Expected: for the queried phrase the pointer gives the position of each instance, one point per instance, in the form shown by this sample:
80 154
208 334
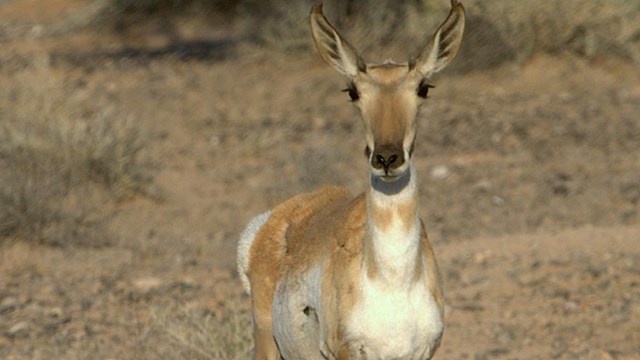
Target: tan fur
320 258
301 231
275 250
369 259
435 278
390 120
407 213
382 217
328 227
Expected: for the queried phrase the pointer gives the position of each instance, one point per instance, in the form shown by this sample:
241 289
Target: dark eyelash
423 88
353 91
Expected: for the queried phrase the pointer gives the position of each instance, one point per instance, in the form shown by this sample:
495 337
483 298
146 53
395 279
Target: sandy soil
530 189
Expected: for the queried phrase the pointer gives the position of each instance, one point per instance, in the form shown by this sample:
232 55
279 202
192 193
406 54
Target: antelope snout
387 158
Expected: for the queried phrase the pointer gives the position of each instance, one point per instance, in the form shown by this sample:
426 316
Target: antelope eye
423 89
353 92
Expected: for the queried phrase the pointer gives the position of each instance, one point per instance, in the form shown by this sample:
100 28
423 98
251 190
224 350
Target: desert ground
131 159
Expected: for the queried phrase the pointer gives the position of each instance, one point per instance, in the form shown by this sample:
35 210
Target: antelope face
388 96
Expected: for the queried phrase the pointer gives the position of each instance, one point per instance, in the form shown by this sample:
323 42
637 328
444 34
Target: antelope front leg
265 346
343 353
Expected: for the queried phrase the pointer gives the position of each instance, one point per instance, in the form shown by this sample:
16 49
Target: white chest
391 324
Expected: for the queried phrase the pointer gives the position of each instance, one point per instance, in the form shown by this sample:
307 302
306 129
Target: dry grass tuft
381 28
497 31
192 334
58 165
500 31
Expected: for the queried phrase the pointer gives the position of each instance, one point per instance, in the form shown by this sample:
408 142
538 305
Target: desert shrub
59 167
46 192
150 7
104 150
30 186
130 11
497 31
194 334
378 28
37 205
519 30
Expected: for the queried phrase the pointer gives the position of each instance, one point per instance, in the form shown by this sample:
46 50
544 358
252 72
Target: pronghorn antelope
333 276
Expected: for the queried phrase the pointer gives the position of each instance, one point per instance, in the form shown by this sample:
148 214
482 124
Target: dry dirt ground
530 189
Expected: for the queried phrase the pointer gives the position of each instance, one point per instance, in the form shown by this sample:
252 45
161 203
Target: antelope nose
387 157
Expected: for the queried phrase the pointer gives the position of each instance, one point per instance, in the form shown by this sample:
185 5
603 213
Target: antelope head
389 96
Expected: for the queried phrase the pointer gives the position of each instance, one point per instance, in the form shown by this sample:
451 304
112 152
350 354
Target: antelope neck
392 251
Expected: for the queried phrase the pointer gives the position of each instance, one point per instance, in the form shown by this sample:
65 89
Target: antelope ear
445 43
335 50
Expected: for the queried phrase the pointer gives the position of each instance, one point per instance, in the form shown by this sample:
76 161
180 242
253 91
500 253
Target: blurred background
137 138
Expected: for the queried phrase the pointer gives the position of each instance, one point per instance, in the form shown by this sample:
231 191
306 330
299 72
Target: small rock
504 337
605 355
214 141
440 172
570 306
8 304
146 285
319 122
55 312
532 279
483 185
18 330
448 310
37 30
481 258
5 342
508 314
